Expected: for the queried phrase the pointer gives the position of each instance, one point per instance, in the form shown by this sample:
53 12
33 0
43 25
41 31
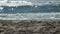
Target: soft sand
29 26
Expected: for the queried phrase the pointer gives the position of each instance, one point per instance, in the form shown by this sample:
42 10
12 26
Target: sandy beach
30 26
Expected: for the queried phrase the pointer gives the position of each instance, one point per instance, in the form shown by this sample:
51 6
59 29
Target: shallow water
30 9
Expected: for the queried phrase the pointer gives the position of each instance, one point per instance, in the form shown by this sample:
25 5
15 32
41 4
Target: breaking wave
24 3
27 12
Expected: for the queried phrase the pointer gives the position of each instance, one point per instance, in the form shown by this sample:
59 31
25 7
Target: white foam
26 16
15 3
1 8
22 3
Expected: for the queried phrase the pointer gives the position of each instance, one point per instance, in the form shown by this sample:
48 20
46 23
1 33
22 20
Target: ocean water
30 9
24 12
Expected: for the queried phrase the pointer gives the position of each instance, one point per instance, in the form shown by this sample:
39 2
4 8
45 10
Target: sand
29 26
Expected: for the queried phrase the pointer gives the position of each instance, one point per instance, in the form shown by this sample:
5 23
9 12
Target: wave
30 9
43 10
29 16
23 3
15 3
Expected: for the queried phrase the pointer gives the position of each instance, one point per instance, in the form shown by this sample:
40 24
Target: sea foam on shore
29 16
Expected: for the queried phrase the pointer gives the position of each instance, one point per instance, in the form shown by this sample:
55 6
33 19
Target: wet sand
29 26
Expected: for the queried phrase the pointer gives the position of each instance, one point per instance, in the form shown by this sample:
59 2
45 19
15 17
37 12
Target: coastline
46 26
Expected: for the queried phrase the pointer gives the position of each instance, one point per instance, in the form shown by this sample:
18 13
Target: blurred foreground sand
29 26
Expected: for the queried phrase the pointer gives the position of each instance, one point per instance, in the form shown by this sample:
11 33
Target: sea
26 12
